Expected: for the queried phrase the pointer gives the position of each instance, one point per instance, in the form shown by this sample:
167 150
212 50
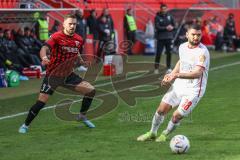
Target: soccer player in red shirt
64 48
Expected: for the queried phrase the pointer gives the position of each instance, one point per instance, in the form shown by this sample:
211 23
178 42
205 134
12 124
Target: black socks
33 112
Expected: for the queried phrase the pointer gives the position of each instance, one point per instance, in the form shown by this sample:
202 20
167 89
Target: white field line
53 106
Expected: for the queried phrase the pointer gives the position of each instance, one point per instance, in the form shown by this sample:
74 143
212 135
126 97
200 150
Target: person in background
230 32
181 35
9 60
216 30
105 13
13 52
92 23
55 27
164 27
130 28
81 28
104 32
41 27
24 43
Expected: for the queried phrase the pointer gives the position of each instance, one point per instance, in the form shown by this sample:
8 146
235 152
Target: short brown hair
66 16
163 5
195 26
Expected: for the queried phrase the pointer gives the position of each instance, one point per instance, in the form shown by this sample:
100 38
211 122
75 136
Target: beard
70 31
194 43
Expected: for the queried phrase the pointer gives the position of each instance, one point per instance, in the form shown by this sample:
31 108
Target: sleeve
36 27
202 60
101 29
234 31
112 23
126 29
173 22
51 42
158 25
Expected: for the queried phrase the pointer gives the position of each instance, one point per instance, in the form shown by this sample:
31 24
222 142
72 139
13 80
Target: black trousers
131 38
160 45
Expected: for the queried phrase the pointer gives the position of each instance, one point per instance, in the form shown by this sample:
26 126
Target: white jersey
189 59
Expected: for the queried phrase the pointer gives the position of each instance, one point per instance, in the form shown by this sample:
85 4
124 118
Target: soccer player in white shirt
188 82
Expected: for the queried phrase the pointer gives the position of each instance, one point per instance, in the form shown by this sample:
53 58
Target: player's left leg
158 119
185 108
169 100
172 124
75 83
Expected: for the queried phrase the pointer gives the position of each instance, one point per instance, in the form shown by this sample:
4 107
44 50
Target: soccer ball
179 144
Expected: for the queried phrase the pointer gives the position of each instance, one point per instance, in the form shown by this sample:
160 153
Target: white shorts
185 102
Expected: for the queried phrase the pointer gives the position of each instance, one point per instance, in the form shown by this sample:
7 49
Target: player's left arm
82 62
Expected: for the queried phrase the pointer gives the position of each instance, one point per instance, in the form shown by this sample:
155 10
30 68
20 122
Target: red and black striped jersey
64 50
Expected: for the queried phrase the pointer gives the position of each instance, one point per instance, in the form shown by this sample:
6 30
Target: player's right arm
43 54
168 78
46 48
176 68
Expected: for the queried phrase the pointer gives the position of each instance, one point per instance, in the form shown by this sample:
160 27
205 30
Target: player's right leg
45 91
33 112
158 119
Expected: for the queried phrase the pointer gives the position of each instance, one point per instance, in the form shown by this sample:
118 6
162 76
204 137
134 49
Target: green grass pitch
213 127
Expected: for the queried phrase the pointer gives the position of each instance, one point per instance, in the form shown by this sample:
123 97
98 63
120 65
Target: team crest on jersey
202 58
77 43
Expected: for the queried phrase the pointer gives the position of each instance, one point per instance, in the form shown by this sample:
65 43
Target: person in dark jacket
230 32
13 52
55 27
8 64
25 43
9 60
164 27
104 31
81 28
92 23
35 44
110 22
